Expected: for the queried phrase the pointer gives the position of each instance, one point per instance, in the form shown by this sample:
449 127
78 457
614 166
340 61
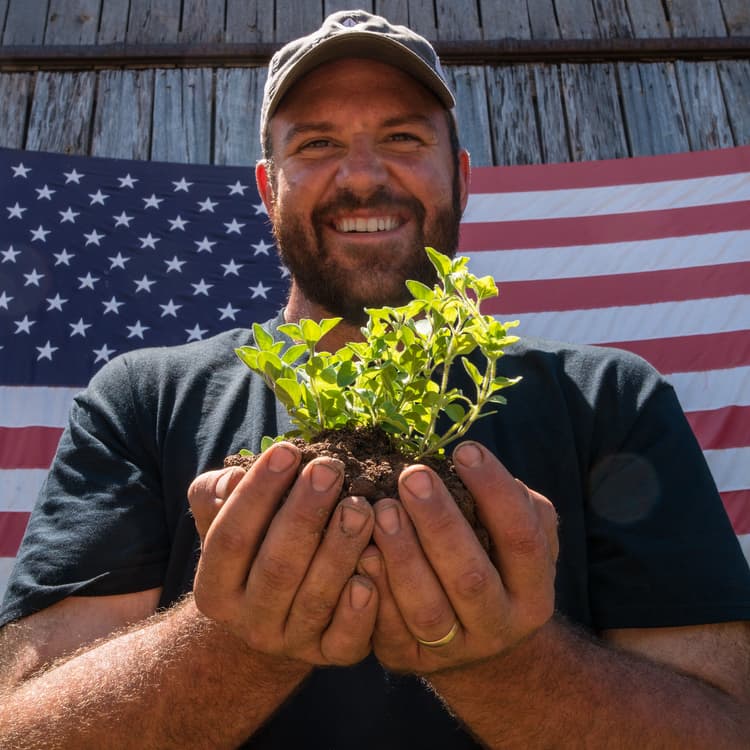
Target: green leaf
455 412
419 290
441 262
472 370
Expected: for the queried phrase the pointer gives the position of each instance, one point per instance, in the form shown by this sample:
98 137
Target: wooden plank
703 103
422 18
551 114
576 19
72 22
122 120
297 18
396 11
508 20
515 133
25 21
542 19
239 92
153 21
182 116
737 17
613 19
653 112
61 112
648 19
457 20
691 18
735 83
249 21
594 117
14 94
3 13
331 6
469 84
202 21
113 22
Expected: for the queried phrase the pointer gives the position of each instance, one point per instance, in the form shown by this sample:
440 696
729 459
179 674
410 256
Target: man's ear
464 176
265 188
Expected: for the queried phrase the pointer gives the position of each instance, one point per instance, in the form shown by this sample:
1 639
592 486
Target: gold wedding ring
444 641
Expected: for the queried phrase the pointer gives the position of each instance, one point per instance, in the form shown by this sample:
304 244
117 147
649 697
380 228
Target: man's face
363 178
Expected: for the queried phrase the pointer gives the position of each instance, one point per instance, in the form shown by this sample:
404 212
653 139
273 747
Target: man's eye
403 137
317 143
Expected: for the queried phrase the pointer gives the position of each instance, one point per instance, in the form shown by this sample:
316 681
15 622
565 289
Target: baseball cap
354 33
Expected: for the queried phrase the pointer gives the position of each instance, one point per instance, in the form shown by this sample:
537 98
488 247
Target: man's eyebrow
415 119
302 128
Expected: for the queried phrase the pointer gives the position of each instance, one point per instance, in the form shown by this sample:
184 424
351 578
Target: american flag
101 256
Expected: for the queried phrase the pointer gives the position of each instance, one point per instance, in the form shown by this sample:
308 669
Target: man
320 623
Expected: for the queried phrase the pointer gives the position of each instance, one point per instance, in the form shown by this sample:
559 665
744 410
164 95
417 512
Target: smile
371 224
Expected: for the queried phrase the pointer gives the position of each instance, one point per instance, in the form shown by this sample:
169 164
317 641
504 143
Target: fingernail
469 455
353 519
323 476
419 483
387 518
360 593
370 565
224 482
281 459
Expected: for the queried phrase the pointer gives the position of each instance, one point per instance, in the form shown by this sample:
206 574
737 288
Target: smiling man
611 612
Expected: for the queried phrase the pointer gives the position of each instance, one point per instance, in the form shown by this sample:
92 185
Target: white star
39 234
170 309
149 241
63 257
238 187
137 330
112 306
45 193
284 271
228 311
175 264
14 212
87 281
19 170
259 290
73 177
234 227
46 351
118 261
231 267
93 237
98 197
177 223
127 181
33 278
79 328
208 205
152 202
123 220
69 215
144 284
56 302
104 353
201 288
262 248
9 254
4 299
260 209
24 326
204 244
181 185
196 333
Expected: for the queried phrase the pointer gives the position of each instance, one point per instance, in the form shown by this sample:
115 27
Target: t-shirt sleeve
98 526
661 549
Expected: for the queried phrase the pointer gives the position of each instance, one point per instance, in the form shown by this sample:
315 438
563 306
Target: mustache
381 200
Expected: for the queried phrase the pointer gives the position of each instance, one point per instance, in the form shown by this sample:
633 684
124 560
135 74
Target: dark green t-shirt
644 540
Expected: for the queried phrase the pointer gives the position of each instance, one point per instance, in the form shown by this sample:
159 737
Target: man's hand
281 576
436 583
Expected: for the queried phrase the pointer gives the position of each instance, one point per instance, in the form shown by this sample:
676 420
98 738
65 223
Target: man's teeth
373 224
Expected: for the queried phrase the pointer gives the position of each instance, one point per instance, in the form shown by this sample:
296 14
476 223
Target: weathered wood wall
511 113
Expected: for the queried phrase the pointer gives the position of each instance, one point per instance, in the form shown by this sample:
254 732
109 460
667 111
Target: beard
380 276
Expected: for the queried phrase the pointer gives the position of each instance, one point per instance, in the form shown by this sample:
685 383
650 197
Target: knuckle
276 573
315 608
524 540
473 583
226 539
428 619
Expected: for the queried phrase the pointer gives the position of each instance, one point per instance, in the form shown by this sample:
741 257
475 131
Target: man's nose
361 168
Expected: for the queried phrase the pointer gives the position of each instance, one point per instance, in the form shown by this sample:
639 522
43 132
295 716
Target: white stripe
612 199
28 406
730 468
744 540
637 322
573 261
19 488
6 565
713 389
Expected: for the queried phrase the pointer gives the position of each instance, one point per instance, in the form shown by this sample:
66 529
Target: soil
372 467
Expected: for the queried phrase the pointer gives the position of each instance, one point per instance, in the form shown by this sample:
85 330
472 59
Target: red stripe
706 351
12 527
685 166
737 505
28 447
728 427
618 290
595 230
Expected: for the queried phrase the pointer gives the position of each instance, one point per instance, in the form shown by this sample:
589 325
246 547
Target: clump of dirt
372 467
